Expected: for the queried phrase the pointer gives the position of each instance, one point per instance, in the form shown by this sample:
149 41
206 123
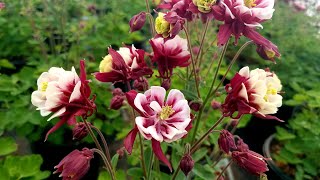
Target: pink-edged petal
58 113
245 72
76 94
181 109
179 123
158 152
155 106
224 34
131 95
174 96
129 140
140 101
143 124
158 94
178 135
155 133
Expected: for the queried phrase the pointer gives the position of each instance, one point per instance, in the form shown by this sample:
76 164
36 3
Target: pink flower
64 94
137 21
169 54
253 92
181 7
204 8
242 17
125 64
160 120
75 165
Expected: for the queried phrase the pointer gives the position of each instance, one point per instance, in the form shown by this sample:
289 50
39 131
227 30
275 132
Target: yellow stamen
250 3
106 64
270 91
166 112
162 26
44 86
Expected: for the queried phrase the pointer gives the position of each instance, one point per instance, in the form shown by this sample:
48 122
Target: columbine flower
181 7
226 141
64 94
75 165
159 120
203 8
125 64
169 54
137 21
169 24
251 161
243 17
253 92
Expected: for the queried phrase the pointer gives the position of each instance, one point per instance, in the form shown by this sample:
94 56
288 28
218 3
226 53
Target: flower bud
241 146
186 164
226 141
250 161
79 131
137 21
116 102
141 84
268 52
195 105
117 92
75 165
166 83
195 50
215 104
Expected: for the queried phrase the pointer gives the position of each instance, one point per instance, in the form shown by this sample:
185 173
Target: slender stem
199 142
202 41
224 169
104 158
193 62
150 165
150 18
142 156
230 65
209 93
106 148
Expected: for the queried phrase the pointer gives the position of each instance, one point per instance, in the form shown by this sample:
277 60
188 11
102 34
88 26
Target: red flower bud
195 105
250 161
215 104
141 84
226 141
79 131
116 102
75 165
241 146
117 91
137 21
166 84
186 164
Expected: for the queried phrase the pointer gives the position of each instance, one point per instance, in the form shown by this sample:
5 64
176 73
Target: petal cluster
253 92
64 94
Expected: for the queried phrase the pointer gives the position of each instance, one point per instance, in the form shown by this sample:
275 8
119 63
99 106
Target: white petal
139 100
155 106
158 94
243 92
76 94
58 113
154 133
245 72
38 99
174 96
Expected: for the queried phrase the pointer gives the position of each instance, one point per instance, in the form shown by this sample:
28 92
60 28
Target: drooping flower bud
250 161
79 131
186 164
116 102
195 104
117 91
121 152
215 104
137 21
268 52
75 165
226 141
141 84
242 146
166 84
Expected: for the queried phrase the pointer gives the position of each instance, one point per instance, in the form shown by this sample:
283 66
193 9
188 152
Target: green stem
104 158
150 166
192 62
209 93
150 18
104 142
142 156
230 65
202 42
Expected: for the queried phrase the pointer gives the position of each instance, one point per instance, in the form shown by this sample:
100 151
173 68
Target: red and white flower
160 120
242 17
125 64
64 94
169 54
253 92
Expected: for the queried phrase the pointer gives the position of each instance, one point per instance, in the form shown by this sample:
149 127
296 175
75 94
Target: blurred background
38 34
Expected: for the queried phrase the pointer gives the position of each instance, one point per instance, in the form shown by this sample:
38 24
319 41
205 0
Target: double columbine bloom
160 120
64 94
253 92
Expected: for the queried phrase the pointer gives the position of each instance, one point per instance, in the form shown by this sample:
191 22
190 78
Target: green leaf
6 64
114 160
199 154
135 172
283 134
104 175
8 145
202 172
245 119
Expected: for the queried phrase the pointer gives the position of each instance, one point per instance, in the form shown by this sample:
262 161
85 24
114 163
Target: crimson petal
63 120
129 140
158 152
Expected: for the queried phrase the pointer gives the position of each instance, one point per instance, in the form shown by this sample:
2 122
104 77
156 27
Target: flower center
44 86
270 91
162 26
250 3
166 111
106 64
204 6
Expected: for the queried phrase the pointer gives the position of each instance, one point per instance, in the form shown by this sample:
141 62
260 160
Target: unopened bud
141 84
79 131
268 52
166 84
226 141
195 50
117 92
195 105
186 164
116 102
215 104
137 21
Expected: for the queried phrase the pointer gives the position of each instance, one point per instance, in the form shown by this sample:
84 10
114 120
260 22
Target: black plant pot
267 153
